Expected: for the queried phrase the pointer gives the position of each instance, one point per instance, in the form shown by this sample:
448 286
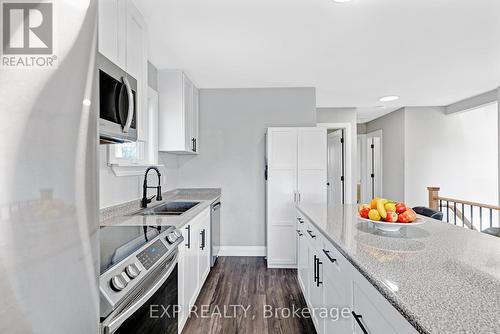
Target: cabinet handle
195 144
299 197
327 253
295 197
202 233
188 228
358 318
318 281
299 233
310 233
300 220
193 148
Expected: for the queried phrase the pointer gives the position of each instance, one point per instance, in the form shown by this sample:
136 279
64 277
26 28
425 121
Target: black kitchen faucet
145 199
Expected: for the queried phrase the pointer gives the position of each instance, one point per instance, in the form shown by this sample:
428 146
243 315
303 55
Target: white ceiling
429 52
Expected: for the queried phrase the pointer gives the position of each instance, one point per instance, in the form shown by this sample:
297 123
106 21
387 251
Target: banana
381 207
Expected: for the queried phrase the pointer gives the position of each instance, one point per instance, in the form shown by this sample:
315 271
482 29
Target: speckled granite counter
120 214
442 278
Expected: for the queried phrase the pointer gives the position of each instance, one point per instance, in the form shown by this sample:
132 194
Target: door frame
350 155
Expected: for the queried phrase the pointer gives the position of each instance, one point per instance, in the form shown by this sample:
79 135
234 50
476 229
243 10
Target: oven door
117 103
152 309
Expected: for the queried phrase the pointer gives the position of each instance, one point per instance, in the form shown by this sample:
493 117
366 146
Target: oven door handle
130 114
115 320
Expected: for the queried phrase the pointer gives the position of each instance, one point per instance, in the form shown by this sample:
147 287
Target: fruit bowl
392 227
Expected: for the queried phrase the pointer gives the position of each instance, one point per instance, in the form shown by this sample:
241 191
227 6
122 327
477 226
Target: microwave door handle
130 114
114 321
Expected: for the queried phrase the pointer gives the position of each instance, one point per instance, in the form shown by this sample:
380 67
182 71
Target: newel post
433 197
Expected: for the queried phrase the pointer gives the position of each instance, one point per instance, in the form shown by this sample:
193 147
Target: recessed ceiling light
389 98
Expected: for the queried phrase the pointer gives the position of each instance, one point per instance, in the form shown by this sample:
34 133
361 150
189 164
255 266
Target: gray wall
232 152
393 145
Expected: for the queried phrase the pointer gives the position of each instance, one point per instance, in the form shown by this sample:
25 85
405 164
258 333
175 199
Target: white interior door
374 165
335 172
312 165
281 189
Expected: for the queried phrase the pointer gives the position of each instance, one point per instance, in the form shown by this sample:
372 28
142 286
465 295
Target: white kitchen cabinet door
281 189
336 294
312 165
188 272
203 247
316 285
111 24
178 117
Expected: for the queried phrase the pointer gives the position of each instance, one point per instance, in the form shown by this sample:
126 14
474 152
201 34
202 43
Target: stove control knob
177 233
132 270
172 237
118 283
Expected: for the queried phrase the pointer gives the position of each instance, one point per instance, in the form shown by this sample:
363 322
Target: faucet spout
145 201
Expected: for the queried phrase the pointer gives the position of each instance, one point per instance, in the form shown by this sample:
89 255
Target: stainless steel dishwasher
215 228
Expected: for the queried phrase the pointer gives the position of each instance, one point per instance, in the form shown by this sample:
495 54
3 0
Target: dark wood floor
247 282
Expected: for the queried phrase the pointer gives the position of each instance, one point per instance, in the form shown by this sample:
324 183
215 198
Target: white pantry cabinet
296 171
179 113
194 263
122 35
330 282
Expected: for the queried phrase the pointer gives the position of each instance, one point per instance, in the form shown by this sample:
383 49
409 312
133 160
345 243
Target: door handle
188 228
130 114
327 253
358 318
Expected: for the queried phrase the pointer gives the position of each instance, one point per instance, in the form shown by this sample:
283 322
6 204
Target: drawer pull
299 233
327 253
358 318
310 233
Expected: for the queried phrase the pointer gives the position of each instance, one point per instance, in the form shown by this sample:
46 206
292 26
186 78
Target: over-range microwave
117 96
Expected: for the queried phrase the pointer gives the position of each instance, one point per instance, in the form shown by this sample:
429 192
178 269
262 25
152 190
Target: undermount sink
168 209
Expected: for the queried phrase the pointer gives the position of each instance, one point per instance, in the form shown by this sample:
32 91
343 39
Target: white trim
350 154
282 266
242 251
132 169
472 102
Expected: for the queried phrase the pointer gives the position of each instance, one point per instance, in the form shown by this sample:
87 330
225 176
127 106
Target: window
130 158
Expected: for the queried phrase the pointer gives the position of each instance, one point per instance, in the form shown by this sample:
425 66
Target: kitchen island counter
442 278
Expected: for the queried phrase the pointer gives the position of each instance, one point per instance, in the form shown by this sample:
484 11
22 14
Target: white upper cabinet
123 40
179 113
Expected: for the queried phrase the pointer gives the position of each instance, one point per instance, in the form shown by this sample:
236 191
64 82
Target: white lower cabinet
342 300
194 263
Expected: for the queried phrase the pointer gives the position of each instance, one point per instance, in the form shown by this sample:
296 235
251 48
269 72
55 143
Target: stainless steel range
138 278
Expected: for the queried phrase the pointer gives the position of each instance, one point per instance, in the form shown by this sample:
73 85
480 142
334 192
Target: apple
391 217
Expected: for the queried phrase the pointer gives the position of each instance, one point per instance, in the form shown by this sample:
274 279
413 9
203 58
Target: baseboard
242 251
282 266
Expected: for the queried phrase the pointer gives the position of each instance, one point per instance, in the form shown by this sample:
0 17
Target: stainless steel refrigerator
48 174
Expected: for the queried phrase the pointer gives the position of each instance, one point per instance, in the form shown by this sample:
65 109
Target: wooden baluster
433 197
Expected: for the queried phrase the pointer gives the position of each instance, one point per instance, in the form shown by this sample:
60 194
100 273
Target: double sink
174 208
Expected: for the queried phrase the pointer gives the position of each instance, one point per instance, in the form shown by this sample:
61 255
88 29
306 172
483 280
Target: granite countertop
442 278
120 214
